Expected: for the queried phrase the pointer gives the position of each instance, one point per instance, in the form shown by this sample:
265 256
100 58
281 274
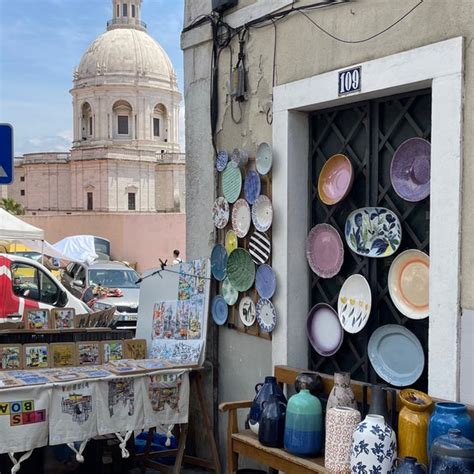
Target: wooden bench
245 442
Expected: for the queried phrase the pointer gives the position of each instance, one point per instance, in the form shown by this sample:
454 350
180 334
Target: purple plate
324 250
252 186
324 330
265 281
410 169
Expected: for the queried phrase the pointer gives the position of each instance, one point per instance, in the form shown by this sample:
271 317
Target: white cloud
61 142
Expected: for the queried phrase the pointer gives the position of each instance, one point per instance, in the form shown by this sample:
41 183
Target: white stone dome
126 52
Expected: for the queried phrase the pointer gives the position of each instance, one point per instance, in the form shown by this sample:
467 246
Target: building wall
136 238
303 51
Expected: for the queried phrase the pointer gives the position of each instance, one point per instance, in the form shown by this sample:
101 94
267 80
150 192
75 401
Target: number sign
349 80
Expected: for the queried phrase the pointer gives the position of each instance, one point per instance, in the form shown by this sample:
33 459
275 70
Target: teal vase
304 424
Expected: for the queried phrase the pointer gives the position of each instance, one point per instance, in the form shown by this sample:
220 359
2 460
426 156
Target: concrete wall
304 51
140 238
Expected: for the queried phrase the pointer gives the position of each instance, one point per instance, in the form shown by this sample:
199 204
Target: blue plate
222 159
219 262
265 281
396 355
252 186
219 310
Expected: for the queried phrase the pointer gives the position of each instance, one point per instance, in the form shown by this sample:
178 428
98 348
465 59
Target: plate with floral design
373 232
266 315
222 160
354 304
220 212
241 218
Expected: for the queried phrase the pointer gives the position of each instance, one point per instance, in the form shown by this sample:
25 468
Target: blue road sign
6 153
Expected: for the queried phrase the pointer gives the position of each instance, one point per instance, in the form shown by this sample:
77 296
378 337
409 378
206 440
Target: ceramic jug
378 403
272 422
312 381
304 424
340 424
449 415
263 392
341 394
413 421
409 465
452 453
374 446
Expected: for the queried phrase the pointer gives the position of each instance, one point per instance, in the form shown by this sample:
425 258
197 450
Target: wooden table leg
183 434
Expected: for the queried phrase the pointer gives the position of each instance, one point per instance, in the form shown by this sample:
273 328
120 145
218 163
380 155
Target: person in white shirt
176 257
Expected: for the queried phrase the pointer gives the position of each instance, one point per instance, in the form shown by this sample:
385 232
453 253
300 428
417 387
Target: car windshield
33 255
114 278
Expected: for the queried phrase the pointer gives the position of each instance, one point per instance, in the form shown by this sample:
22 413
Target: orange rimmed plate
335 179
408 283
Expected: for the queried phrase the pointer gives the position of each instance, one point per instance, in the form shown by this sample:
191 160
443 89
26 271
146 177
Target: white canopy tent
13 228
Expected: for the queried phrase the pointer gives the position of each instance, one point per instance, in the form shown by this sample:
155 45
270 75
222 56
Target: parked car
77 277
27 284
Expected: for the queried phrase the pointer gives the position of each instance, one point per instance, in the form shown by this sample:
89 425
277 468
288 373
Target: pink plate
324 250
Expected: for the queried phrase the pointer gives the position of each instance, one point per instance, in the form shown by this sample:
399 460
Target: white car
26 284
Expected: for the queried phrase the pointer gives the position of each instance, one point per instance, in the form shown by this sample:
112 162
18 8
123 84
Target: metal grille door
369 133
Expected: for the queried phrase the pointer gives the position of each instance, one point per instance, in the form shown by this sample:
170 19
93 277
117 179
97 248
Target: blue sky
41 41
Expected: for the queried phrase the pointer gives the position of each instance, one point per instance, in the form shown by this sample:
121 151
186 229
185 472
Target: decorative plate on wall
230 294
231 183
410 169
264 158
265 281
241 269
247 311
396 355
354 304
266 315
219 310
324 250
373 232
219 262
221 161
260 247
252 186
231 241
324 330
220 212
335 179
241 218
408 283
239 158
262 213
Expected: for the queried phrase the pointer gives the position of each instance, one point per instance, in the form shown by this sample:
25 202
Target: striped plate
260 247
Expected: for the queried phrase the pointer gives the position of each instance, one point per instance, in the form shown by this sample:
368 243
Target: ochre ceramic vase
340 424
341 394
304 424
413 421
452 454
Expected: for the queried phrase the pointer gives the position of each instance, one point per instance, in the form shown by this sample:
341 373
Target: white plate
264 158
262 213
241 218
354 304
220 212
266 315
247 311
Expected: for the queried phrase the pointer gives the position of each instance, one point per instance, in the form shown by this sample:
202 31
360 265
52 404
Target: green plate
231 183
230 294
241 270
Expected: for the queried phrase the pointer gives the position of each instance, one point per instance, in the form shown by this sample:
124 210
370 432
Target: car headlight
101 306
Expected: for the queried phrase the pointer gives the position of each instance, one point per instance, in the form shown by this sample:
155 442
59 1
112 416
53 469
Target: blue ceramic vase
272 422
263 392
409 465
304 424
452 453
449 415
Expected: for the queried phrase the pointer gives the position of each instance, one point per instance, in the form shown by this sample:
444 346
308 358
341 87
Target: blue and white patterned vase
374 447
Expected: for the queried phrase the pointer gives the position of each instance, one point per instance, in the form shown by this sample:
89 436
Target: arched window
122 119
160 123
87 121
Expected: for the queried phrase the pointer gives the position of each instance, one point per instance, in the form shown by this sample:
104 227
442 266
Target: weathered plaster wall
304 51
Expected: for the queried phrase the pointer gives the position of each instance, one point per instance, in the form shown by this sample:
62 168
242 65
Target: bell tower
126 13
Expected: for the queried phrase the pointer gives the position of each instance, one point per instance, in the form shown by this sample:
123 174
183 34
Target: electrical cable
341 40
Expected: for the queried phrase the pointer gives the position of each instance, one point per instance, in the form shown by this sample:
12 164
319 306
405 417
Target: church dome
126 52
